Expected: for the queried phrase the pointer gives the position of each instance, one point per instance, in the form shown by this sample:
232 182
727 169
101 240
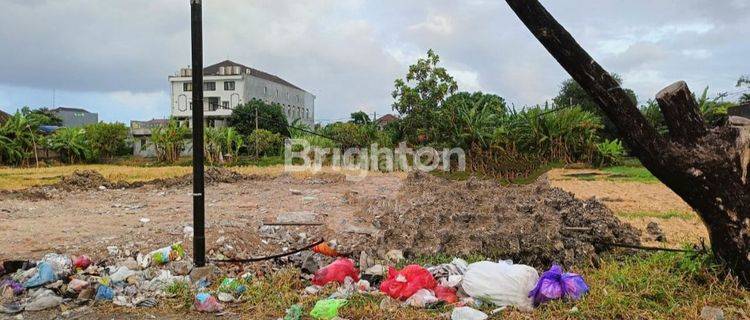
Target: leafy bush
222 144
609 153
266 142
71 144
169 141
107 140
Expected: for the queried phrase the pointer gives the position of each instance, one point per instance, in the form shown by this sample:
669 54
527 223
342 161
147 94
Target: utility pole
256 131
199 237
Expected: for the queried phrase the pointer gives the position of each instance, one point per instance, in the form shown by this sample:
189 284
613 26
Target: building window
187 86
225 104
265 91
297 98
277 93
191 106
228 85
209 86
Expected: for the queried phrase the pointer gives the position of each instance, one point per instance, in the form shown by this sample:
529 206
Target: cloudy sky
113 56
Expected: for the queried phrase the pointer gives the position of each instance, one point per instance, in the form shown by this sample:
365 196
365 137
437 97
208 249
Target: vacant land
650 286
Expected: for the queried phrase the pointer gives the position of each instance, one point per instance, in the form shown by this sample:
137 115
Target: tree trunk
704 167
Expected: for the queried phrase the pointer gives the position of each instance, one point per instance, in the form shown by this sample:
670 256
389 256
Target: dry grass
21 178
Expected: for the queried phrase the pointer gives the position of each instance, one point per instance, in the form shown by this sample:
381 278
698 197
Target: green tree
421 94
43 115
744 81
271 118
360 118
22 131
107 139
571 94
268 143
469 119
71 144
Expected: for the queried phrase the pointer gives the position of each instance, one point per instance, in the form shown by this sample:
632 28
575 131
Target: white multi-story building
228 84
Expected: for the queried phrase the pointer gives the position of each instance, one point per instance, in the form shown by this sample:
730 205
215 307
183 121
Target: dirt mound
533 224
85 180
211 175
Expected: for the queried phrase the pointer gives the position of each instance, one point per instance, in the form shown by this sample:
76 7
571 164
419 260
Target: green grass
659 214
630 174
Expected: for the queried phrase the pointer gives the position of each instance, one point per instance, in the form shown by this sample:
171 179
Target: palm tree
71 144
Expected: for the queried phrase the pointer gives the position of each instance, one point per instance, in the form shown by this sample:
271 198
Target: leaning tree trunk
705 167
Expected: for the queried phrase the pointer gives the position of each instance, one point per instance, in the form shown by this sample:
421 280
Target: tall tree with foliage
270 117
572 94
360 118
22 130
169 141
421 94
744 81
43 115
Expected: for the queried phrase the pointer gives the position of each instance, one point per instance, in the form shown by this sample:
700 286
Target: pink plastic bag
446 294
336 271
205 302
403 284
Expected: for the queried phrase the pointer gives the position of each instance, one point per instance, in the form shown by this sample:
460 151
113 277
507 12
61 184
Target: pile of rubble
534 224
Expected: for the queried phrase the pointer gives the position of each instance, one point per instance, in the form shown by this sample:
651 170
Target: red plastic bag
403 284
446 294
336 271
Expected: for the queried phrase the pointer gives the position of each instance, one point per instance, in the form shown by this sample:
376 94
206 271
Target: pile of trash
536 224
59 279
466 287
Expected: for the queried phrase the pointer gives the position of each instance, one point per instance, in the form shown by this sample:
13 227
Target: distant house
228 84
140 131
75 117
383 121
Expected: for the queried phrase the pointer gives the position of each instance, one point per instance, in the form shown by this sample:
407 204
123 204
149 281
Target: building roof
213 70
150 123
3 116
69 109
386 119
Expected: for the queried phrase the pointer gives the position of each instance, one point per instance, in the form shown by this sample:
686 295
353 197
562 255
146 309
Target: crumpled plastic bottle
555 284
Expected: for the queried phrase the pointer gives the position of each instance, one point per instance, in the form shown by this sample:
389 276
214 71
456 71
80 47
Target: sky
113 57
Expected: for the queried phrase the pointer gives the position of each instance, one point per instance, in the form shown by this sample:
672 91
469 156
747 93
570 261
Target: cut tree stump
705 167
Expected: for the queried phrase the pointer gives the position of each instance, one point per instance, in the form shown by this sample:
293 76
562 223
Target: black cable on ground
308 247
631 246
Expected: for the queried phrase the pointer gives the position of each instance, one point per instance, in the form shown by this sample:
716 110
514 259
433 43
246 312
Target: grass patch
630 174
20 178
659 215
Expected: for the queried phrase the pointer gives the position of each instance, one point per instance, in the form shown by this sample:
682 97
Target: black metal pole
199 237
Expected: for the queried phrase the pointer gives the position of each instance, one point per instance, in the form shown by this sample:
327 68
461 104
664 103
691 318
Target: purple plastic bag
15 286
554 284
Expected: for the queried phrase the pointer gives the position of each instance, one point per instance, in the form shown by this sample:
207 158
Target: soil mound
85 180
212 175
532 224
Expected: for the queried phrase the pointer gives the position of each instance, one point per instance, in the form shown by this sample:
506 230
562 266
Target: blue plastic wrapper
104 293
44 275
554 284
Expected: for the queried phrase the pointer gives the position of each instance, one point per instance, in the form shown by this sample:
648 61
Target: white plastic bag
421 298
503 283
466 313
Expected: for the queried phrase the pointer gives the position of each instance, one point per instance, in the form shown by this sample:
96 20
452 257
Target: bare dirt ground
150 217
638 204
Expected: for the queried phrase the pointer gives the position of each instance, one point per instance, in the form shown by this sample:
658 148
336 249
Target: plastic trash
554 284
467 313
336 271
503 283
121 274
205 302
403 284
327 309
421 298
233 286
448 295
171 253
77 285
44 275
43 299
104 292
61 264
293 313
81 262
325 250
14 286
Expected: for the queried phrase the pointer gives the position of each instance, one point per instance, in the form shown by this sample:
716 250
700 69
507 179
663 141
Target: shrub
609 153
266 142
169 141
107 140
271 118
71 144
